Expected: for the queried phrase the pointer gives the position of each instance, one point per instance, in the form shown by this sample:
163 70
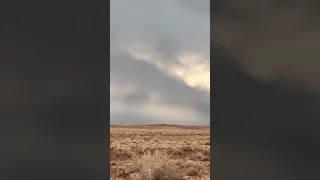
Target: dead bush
155 167
138 149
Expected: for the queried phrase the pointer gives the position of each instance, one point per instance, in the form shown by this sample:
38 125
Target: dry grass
155 166
159 153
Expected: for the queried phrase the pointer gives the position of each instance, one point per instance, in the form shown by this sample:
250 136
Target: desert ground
159 152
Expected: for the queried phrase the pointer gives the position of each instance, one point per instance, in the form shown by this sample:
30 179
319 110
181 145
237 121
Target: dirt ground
159 152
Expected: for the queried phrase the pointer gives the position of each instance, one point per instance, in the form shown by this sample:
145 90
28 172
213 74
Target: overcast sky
160 61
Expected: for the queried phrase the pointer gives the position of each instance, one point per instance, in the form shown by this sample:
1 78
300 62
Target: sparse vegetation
159 152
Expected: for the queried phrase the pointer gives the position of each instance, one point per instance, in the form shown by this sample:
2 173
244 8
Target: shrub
155 166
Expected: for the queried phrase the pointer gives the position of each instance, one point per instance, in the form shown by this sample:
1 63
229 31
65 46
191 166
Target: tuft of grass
155 166
138 149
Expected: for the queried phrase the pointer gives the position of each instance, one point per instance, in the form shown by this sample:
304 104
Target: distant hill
158 126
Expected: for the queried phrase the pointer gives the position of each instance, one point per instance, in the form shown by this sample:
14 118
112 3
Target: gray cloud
144 74
201 7
165 25
150 80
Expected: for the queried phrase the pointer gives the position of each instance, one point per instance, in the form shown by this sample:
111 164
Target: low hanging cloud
140 88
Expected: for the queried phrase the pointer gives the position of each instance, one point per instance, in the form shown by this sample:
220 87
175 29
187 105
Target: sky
160 62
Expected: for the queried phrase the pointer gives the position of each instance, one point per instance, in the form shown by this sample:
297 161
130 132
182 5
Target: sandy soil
185 148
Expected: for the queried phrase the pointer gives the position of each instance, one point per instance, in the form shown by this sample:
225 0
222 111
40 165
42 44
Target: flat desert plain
159 152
